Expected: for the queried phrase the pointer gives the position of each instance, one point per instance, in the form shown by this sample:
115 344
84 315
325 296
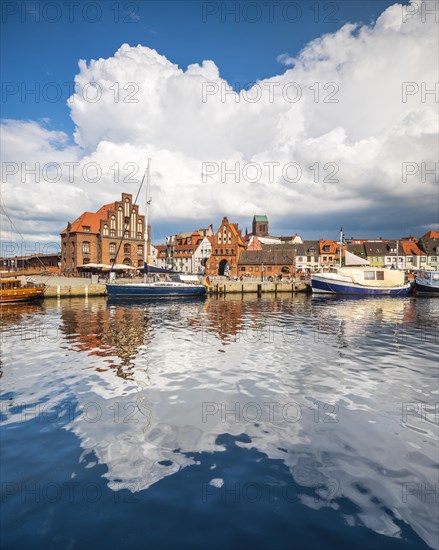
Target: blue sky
369 133
38 52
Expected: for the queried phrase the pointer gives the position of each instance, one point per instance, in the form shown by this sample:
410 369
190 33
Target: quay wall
60 287
238 287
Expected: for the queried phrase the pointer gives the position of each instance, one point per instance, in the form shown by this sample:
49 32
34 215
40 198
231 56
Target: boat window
380 275
369 275
435 276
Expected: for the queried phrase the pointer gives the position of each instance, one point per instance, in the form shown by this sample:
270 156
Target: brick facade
96 237
227 245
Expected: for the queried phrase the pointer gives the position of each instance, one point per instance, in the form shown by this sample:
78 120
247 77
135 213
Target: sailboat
358 277
186 285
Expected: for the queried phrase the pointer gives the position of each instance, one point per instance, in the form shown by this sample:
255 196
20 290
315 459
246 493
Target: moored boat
358 277
427 282
14 290
362 281
155 289
185 286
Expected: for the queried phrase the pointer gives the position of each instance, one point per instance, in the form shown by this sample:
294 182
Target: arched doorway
285 270
127 261
223 268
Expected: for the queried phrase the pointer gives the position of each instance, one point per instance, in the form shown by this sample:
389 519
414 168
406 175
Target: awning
102 267
122 267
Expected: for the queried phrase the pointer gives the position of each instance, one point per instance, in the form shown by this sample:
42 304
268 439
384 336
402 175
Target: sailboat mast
341 245
148 201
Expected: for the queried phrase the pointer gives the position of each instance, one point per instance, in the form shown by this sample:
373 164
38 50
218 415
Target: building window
112 248
86 247
112 233
257 268
324 258
86 228
250 269
139 250
308 258
105 231
269 268
127 249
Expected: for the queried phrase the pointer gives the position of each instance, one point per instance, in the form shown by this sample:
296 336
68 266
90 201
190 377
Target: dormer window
86 228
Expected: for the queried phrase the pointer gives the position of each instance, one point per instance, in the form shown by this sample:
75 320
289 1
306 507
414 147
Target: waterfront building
429 243
95 237
328 252
271 261
161 256
308 259
227 245
186 252
376 252
32 263
201 255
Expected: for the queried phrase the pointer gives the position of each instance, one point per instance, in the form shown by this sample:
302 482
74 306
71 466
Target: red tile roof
91 220
432 234
411 249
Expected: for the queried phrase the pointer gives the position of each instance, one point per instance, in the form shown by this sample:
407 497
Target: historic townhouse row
116 233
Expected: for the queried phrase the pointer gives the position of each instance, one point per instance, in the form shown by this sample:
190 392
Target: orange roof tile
411 249
91 220
432 234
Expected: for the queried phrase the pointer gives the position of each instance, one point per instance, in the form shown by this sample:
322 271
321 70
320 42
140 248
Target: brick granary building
227 245
95 237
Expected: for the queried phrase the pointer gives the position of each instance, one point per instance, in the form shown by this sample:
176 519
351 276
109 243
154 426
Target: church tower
260 226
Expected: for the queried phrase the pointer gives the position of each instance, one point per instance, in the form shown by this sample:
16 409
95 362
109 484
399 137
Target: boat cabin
430 278
10 284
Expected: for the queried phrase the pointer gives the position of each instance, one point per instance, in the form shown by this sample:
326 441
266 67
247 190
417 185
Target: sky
317 114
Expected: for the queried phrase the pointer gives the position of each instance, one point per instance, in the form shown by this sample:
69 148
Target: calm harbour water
304 422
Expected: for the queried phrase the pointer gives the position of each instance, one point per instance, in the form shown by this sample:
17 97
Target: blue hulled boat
362 281
427 282
186 285
359 278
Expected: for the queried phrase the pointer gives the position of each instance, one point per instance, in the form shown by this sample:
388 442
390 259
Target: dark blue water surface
295 422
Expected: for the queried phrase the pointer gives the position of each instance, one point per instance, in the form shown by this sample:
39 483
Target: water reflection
342 391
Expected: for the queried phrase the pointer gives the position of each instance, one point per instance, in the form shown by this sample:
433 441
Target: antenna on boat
341 245
148 202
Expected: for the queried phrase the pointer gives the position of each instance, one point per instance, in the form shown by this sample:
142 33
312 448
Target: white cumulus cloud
320 144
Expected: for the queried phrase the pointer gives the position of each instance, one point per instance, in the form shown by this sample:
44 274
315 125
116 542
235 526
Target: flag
206 281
